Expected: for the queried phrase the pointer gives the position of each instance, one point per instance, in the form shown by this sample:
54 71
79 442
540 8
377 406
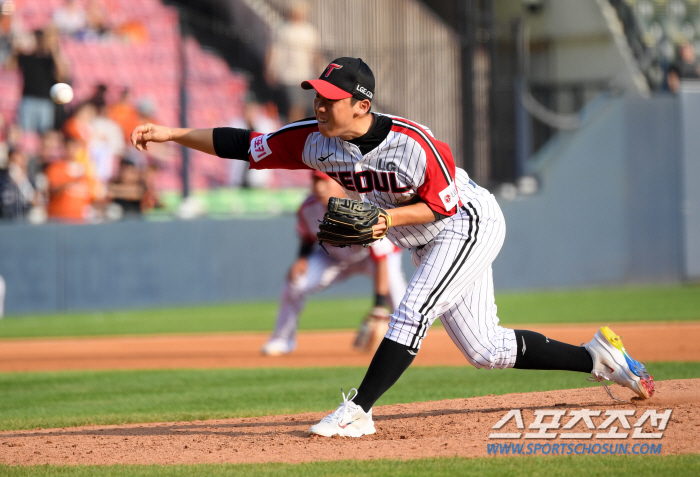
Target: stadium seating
665 24
151 69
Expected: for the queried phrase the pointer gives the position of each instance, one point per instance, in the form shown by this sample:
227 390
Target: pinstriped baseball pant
454 282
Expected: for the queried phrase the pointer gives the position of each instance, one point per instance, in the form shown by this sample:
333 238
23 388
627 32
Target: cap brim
326 89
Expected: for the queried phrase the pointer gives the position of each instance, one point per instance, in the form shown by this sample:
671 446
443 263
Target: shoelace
347 403
601 378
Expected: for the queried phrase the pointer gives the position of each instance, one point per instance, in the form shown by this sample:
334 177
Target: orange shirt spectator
78 126
69 191
71 187
132 31
125 114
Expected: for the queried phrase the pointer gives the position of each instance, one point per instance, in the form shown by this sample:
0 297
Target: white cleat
349 420
612 363
278 347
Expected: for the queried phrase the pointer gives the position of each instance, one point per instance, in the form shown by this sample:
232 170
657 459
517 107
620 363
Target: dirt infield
646 342
459 427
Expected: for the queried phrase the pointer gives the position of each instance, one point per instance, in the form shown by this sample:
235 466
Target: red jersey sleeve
438 188
281 149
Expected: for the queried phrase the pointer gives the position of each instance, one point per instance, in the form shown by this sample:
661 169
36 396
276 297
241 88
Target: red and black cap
344 78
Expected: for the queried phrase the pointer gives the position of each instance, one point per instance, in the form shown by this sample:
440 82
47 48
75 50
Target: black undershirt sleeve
232 143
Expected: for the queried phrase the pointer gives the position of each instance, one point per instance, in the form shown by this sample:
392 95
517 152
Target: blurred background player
316 269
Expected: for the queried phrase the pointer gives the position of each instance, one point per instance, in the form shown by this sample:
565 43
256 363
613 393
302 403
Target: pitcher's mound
457 427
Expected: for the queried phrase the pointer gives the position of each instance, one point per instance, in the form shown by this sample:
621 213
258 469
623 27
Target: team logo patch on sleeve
259 148
449 196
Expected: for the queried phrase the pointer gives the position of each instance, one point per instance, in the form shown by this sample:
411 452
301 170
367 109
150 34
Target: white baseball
61 93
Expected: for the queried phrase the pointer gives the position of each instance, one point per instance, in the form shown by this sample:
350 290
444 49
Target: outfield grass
257 316
71 398
580 466
602 306
681 303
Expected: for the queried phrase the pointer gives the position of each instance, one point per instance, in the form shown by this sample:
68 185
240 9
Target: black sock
387 366
381 300
536 351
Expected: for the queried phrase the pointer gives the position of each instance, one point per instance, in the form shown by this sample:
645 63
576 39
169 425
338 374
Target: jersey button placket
356 157
358 168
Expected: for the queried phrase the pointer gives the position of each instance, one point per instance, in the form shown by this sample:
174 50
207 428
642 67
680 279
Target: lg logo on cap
364 91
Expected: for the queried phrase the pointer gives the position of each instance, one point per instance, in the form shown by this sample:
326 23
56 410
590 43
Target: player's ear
363 106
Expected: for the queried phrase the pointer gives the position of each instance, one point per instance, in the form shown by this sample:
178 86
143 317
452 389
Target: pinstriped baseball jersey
409 164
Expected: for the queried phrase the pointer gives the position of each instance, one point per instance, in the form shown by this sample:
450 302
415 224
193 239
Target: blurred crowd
69 162
76 169
73 162
293 56
685 67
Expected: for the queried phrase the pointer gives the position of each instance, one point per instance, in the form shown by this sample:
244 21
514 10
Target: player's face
335 116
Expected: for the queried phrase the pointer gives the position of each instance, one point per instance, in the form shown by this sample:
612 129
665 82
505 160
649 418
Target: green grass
579 466
602 306
256 316
680 303
71 398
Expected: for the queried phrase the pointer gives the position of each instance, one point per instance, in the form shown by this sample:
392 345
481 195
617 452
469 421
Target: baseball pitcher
404 185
